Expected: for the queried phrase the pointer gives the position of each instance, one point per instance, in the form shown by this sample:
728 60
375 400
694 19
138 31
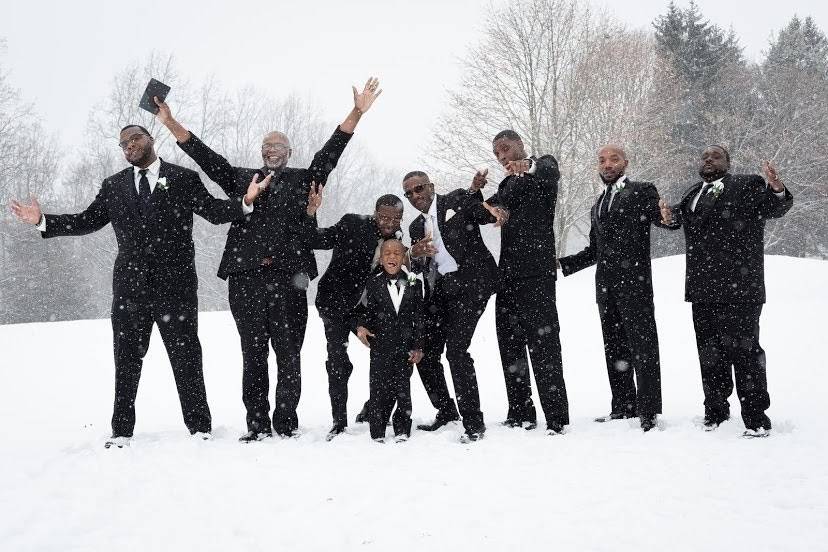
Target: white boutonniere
450 213
162 183
619 185
716 189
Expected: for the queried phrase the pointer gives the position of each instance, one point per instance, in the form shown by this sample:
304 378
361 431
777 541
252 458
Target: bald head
275 150
612 163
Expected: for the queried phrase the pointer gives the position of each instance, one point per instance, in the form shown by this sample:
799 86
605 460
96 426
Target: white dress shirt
780 195
613 190
396 293
443 259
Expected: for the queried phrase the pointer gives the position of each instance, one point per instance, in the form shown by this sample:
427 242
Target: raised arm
216 167
773 199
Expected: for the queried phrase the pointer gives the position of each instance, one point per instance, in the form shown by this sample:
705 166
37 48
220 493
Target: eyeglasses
275 147
131 140
418 189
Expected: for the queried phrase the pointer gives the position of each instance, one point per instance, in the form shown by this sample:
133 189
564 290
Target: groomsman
526 315
619 246
356 241
268 262
723 217
447 248
150 206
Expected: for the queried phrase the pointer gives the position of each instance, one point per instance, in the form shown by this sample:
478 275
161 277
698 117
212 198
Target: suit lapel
596 211
127 193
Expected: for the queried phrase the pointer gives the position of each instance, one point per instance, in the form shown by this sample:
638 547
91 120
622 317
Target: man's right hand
424 248
27 213
255 188
479 180
363 334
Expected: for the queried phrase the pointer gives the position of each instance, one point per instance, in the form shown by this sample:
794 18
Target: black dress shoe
362 417
711 424
648 423
117 442
471 437
437 423
511 422
253 436
613 416
334 431
554 428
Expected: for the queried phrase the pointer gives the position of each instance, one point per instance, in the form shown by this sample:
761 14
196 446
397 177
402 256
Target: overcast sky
63 55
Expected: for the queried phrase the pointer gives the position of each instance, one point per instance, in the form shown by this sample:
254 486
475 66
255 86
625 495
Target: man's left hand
415 356
773 179
518 167
363 100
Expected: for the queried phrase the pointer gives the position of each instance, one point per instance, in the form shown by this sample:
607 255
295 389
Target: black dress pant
631 349
390 383
270 309
451 315
339 367
728 335
177 319
526 316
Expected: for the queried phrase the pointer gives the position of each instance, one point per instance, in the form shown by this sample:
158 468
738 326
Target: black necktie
703 201
397 282
143 191
605 203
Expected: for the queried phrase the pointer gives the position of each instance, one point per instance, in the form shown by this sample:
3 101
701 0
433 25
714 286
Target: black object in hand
154 88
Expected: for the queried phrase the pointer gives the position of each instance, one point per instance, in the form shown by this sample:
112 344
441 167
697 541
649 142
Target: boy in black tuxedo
392 327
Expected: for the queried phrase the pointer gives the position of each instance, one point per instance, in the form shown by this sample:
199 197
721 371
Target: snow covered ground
599 487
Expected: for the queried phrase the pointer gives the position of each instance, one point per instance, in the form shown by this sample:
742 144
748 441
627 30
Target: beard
610 180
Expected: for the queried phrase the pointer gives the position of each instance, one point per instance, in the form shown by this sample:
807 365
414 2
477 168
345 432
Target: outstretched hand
479 180
666 211
30 213
255 188
370 92
363 334
772 177
415 356
424 247
501 215
314 198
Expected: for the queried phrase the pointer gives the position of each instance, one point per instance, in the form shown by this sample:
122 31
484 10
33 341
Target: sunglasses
415 190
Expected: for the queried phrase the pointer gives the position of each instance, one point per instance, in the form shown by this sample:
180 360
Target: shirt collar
432 211
153 169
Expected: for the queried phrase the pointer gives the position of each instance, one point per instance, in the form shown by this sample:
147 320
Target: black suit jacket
394 333
461 238
620 244
725 242
527 240
273 229
156 254
354 240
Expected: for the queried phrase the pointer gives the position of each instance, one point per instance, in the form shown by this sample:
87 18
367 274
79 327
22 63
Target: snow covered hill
599 487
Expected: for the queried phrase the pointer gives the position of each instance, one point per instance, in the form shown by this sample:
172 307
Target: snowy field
599 487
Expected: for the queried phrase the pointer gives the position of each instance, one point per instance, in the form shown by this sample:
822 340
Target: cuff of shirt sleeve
533 168
246 209
42 225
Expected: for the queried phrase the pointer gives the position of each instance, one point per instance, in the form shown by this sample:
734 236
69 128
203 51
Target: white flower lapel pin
620 185
450 213
162 184
716 189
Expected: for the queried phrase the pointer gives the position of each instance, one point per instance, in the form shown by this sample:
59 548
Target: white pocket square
450 213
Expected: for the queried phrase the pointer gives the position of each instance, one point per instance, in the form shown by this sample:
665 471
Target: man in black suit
150 206
461 274
526 315
724 225
619 246
391 325
268 262
356 241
